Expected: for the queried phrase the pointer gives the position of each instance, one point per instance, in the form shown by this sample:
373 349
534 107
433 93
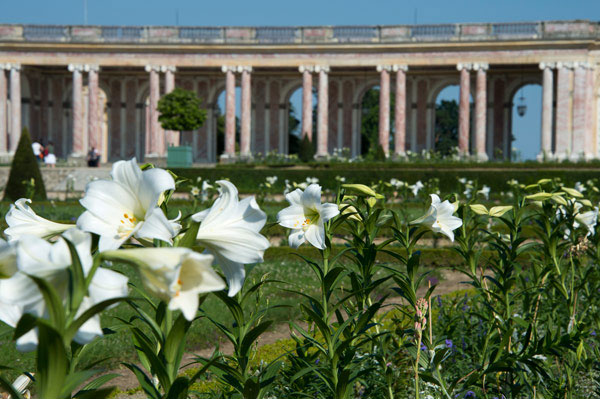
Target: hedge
248 179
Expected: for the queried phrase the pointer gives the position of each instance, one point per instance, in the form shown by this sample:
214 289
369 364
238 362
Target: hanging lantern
521 106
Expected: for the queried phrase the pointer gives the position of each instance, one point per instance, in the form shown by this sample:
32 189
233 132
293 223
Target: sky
313 12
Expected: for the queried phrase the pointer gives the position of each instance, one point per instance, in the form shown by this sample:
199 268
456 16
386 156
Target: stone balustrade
301 35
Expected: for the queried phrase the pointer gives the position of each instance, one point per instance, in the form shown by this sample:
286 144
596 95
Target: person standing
50 158
37 150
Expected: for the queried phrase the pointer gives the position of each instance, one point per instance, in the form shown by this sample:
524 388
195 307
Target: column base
6 157
77 160
322 157
399 156
561 156
247 157
227 158
545 157
481 157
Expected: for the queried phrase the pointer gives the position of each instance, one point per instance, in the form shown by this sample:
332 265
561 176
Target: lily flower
8 259
21 220
230 230
127 205
306 216
175 275
439 217
485 191
39 258
416 188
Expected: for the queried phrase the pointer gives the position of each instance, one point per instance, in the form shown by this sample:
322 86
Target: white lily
416 187
39 258
485 191
175 275
439 217
127 206
8 259
306 216
22 220
230 230
588 219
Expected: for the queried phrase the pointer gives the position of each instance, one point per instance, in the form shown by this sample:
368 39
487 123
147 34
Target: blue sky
315 12
297 12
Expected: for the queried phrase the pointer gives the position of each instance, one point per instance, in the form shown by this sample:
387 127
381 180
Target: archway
293 122
444 126
525 122
219 117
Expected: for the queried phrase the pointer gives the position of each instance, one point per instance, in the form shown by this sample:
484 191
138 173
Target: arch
526 146
363 140
362 89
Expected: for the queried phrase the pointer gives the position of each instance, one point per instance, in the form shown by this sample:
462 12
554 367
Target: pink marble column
563 112
94 133
229 112
322 112
77 111
307 112
480 111
246 112
464 108
547 96
384 107
171 136
15 102
154 131
579 122
3 102
400 111
590 142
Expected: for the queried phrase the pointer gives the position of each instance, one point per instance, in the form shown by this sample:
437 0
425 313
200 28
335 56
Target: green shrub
306 152
23 169
180 111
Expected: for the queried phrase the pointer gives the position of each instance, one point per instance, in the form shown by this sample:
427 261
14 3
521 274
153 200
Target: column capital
244 68
92 67
322 68
168 68
481 66
565 65
152 68
399 67
547 65
584 65
229 68
76 67
306 68
461 66
381 68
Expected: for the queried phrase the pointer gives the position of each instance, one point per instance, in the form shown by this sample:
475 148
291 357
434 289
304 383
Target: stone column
94 133
547 98
246 122
307 112
563 111
77 151
480 111
229 112
384 107
154 131
400 110
578 149
464 108
322 112
590 142
3 102
171 136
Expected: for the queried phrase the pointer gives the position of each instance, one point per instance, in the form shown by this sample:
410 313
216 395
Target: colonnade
567 120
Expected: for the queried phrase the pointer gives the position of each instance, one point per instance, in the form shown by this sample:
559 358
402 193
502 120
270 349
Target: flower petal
329 211
311 197
315 234
296 238
291 217
235 273
156 226
154 182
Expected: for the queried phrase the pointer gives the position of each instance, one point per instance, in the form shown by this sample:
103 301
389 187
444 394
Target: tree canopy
180 111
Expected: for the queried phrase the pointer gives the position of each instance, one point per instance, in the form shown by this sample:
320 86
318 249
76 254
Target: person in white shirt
37 150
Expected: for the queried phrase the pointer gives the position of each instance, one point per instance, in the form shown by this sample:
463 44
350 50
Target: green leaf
75 379
179 389
98 382
25 324
53 303
175 345
88 314
189 238
253 335
52 363
78 281
96 394
145 383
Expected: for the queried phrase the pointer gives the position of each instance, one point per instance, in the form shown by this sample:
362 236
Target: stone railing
302 35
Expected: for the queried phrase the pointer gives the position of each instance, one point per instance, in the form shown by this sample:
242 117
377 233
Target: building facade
98 86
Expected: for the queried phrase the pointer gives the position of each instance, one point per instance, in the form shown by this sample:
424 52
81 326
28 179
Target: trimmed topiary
23 169
380 154
306 152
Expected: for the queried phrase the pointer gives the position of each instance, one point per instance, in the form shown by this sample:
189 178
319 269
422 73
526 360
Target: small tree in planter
180 111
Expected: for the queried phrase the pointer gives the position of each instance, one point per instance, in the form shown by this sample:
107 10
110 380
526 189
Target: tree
294 130
180 111
446 126
25 179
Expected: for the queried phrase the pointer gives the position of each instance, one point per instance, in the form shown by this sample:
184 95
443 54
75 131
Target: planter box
179 157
